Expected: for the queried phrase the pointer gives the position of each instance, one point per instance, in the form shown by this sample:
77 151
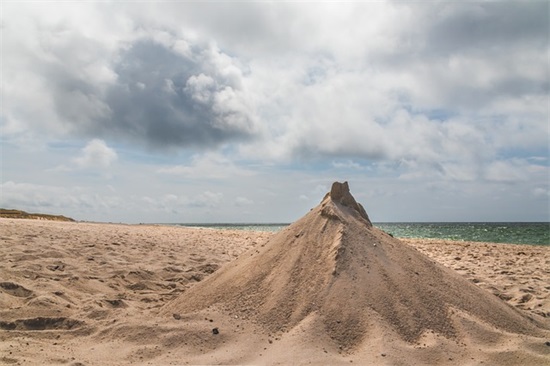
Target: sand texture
329 289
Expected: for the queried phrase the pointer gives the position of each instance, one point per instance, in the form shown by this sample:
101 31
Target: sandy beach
103 294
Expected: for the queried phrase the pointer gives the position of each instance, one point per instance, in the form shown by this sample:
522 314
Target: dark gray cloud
171 100
483 27
160 97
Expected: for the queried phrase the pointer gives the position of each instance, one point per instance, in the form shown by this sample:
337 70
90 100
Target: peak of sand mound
340 194
347 279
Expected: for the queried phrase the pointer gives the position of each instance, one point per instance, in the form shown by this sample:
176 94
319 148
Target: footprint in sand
41 323
15 289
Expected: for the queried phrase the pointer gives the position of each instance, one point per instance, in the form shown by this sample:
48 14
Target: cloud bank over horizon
237 112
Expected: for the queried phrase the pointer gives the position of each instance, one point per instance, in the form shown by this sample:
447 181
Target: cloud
207 199
243 201
168 98
401 95
476 26
96 154
515 170
141 87
180 203
56 199
541 192
381 90
207 166
347 164
449 95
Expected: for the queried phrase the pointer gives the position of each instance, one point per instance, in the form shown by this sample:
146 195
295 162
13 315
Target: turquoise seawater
536 233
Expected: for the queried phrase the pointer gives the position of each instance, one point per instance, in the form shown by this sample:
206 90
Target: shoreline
483 232
252 227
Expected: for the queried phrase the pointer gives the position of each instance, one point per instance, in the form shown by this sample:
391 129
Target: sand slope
517 274
104 294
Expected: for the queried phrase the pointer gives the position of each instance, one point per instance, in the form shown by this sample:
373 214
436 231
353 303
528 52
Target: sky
220 111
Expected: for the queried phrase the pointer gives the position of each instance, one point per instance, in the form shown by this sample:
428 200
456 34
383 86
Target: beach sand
98 294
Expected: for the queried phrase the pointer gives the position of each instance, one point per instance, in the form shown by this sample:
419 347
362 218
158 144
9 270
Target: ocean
535 233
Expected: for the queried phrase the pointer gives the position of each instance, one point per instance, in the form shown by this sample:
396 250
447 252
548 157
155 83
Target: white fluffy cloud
96 154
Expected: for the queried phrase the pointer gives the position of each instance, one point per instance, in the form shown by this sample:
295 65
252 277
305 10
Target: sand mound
336 272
